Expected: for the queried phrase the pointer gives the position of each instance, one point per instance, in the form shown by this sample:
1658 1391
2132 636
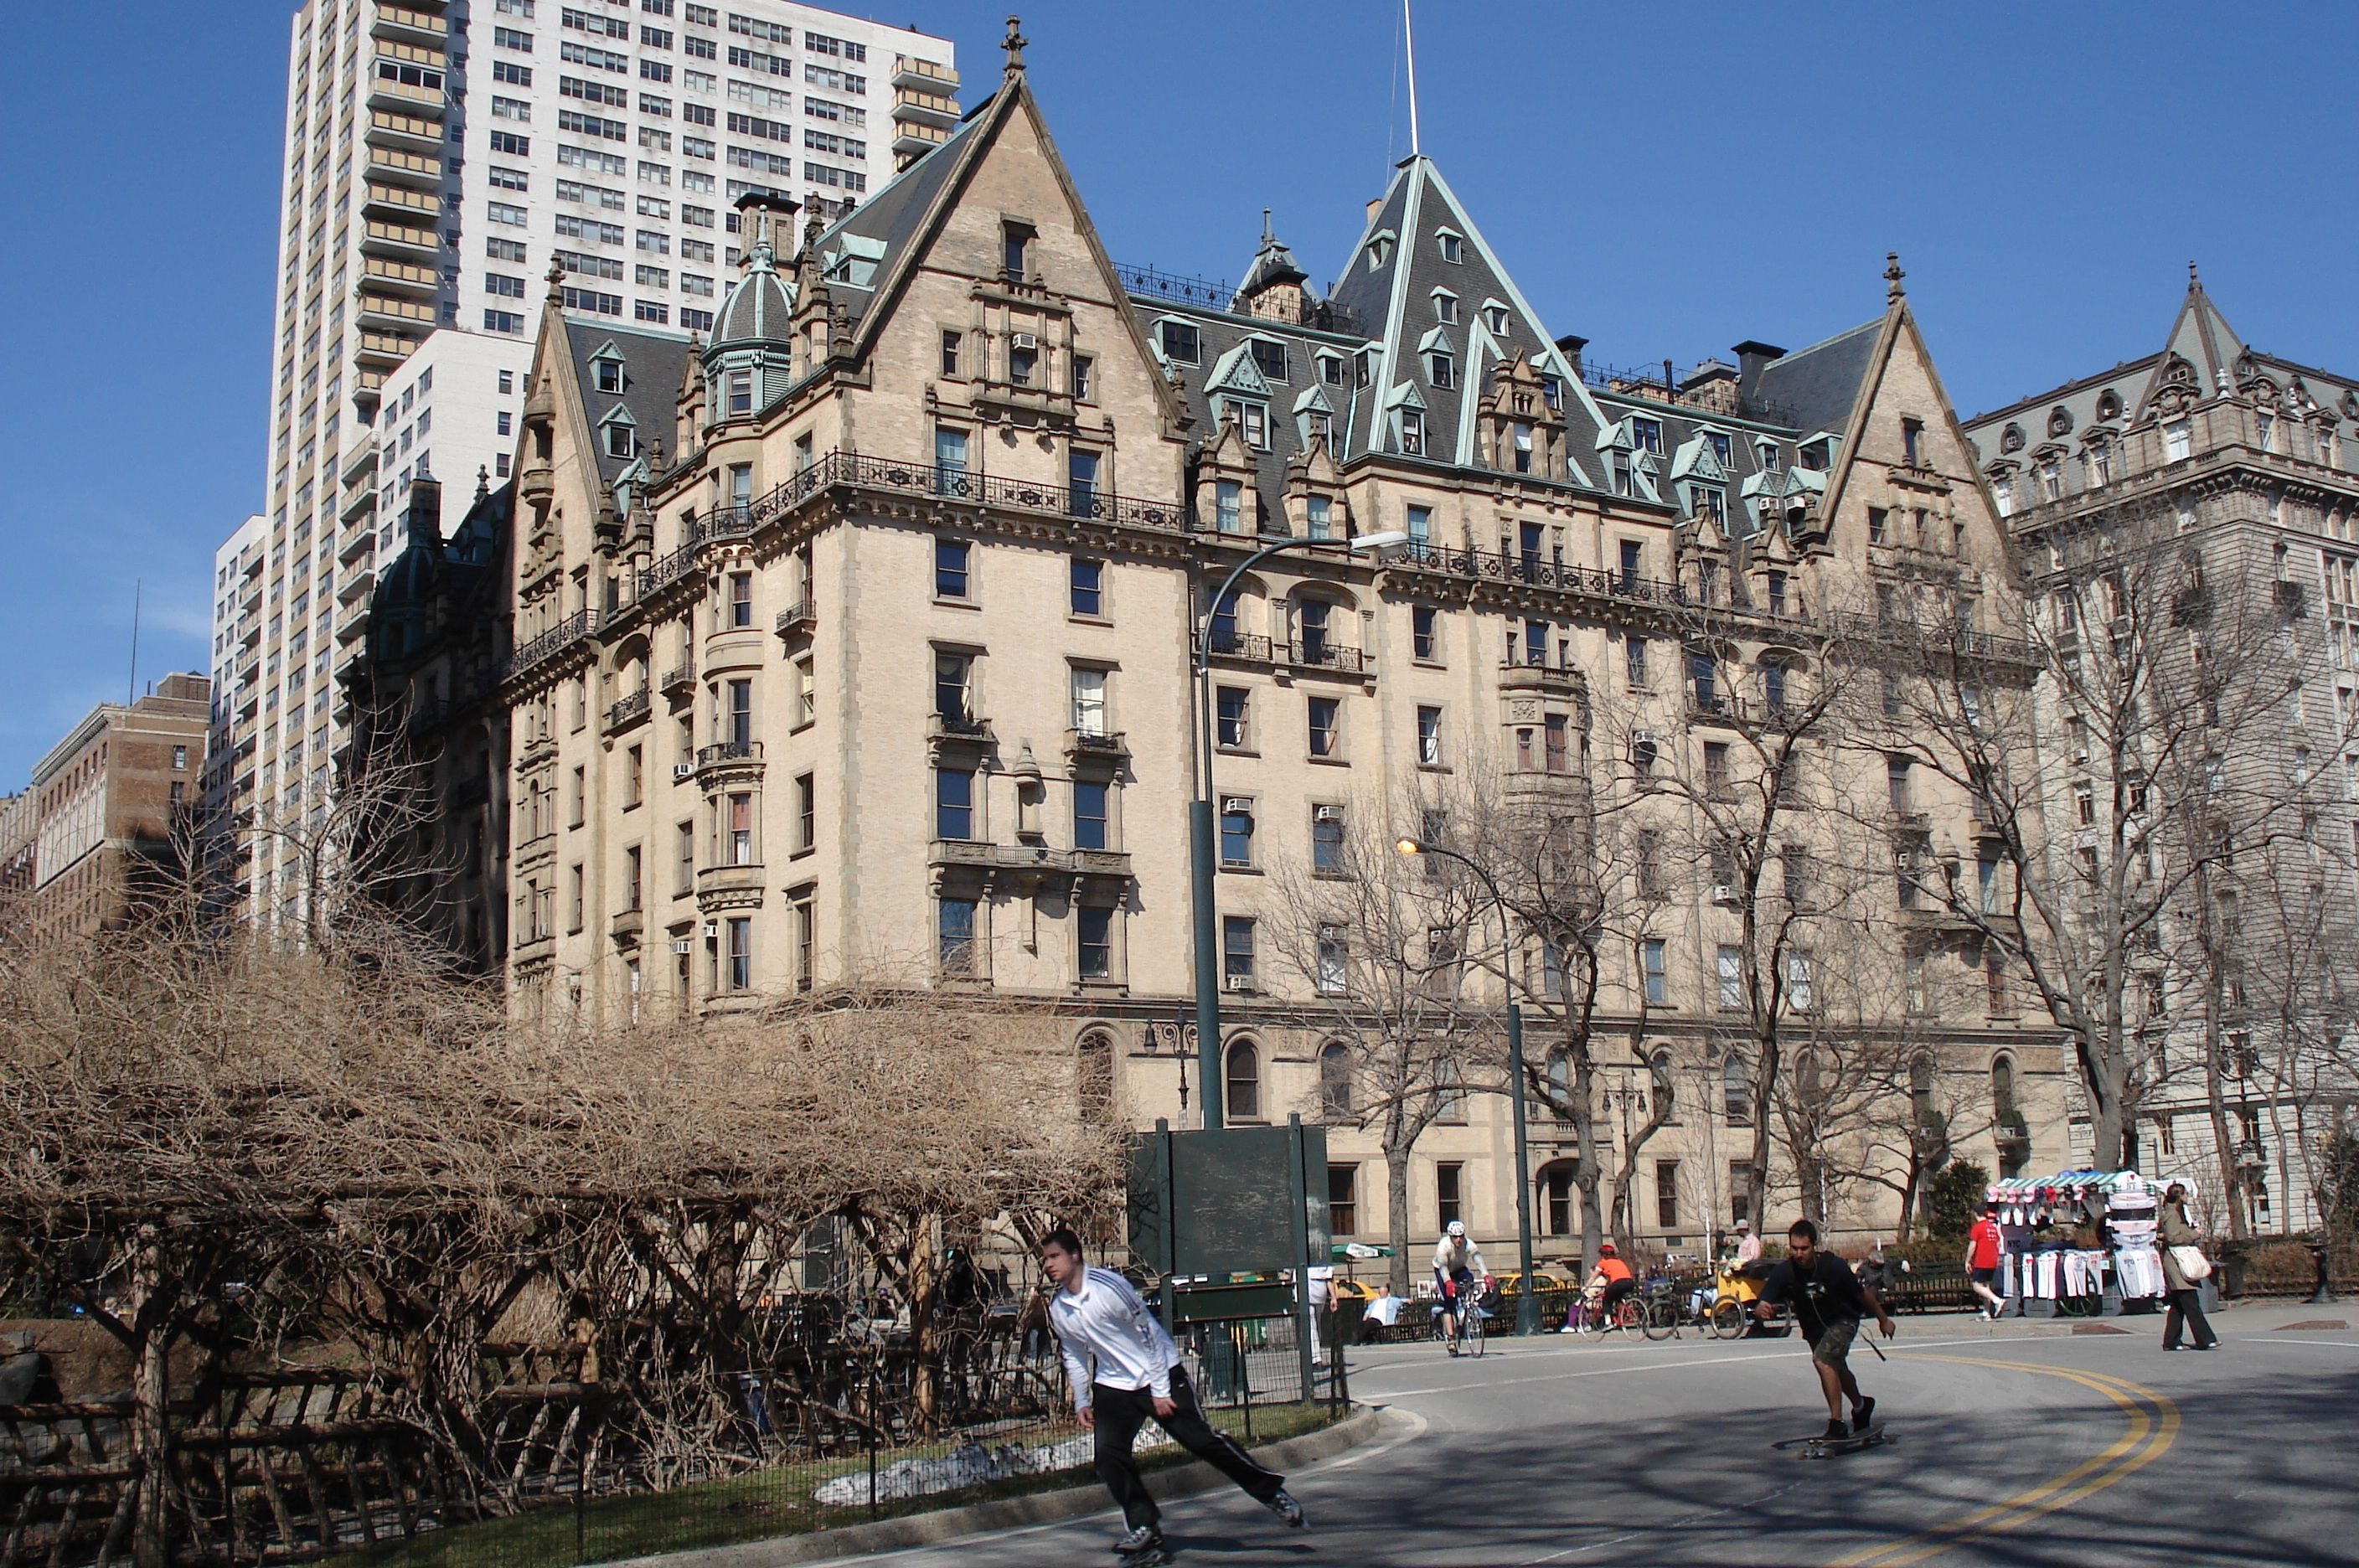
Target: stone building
109 811
856 642
2201 501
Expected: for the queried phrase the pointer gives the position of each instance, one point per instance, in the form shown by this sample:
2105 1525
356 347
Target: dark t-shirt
1830 1293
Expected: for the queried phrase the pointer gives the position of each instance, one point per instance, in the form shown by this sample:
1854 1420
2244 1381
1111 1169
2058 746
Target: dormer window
1912 442
610 375
1552 390
1646 435
1442 369
1330 370
1520 440
1380 251
741 391
1270 359
1720 447
1453 248
1253 423
1711 502
1445 306
1768 450
1412 432
622 441
1015 240
1495 317
1180 343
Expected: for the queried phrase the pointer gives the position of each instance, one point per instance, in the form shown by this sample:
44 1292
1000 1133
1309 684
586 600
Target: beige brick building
857 642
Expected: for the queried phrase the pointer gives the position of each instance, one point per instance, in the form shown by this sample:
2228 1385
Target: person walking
2185 1296
1123 1369
1982 1259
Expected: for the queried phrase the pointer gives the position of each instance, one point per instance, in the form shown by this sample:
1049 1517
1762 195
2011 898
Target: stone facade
2218 480
857 643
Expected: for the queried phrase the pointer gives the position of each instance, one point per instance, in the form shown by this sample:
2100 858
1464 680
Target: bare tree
2111 794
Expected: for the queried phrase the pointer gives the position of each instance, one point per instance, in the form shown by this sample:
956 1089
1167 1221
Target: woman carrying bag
2184 1268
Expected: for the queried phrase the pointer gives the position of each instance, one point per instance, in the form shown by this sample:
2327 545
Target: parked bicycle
1673 1306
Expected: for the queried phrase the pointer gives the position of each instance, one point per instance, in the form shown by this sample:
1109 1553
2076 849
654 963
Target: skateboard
1828 1447
1154 1556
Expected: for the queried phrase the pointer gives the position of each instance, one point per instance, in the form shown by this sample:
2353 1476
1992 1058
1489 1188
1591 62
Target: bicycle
1471 1318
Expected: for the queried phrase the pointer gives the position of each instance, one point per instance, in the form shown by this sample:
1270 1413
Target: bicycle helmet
1606 1249
1456 1227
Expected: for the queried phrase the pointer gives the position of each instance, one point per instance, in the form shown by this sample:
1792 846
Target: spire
1893 293
2195 283
1014 44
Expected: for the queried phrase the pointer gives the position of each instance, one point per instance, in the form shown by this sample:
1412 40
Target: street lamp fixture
1527 1306
1211 1075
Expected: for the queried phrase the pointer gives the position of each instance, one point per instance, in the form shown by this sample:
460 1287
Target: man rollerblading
1124 1369
1829 1300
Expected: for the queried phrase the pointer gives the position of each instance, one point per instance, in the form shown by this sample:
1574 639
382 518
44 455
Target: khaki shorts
1834 1347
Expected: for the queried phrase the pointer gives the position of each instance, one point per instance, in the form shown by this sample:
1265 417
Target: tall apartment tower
438 162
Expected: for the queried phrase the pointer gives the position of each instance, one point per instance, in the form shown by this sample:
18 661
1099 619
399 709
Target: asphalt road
2015 1446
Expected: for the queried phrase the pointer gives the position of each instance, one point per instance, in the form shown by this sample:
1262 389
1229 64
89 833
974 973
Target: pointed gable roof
1395 299
1815 388
2200 335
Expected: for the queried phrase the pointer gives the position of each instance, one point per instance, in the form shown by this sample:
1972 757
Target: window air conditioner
1642 737
1022 340
680 770
711 930
1326 813
1724 894
1237 803
1236 983
681 947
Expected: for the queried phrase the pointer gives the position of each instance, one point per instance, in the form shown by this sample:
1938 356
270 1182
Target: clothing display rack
2042 1272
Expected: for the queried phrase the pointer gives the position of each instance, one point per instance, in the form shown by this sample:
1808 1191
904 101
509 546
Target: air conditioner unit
1237 803
1326 813
711 930
1236 983
681 947
1722 893
1022 340
1642 737
680 770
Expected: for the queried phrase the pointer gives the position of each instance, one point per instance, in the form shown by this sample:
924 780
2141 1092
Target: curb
1040 1508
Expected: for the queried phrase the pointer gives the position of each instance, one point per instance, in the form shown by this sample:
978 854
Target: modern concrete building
856 643
2191 521
438 158
111 804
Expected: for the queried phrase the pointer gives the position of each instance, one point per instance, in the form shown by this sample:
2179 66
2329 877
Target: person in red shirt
1614 1276
1982 1260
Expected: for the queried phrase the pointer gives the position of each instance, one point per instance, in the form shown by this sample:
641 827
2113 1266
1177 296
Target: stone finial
2193 282
555 275
1014 44
1892 277
483 481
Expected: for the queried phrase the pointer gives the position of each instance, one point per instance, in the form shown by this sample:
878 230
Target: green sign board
1235 1200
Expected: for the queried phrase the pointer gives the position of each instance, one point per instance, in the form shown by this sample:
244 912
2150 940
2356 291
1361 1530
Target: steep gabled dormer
1517 429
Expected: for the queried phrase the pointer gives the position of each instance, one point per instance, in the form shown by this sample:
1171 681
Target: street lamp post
1211 1085
1527 1306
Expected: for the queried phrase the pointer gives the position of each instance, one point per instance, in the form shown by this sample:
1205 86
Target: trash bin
2231 1274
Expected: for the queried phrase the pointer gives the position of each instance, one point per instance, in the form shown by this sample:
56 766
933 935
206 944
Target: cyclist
1457 1272
1611 1280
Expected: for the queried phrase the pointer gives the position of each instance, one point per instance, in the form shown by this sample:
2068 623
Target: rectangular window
1228 503
1232 704
954 803
1081 372
951 575
949 360
1087 587
1343 1199
740 829
1650 970
1634 660
741 598
1428 736
806 811
1180 344
1555 732
1896 784
1412 432
1236 831
954 936
1449 1204
1090 822
1082 482
1667 1193
1237 950
1089 704
954 673
1424 639
1327 839
1324 717
740 715
1094 932
949 461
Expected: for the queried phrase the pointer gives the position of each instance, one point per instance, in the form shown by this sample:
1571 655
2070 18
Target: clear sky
1666 179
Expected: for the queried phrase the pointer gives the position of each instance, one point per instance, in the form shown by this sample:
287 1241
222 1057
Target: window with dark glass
1094 929
1088 578
1423 620
954 803
1324 711
1090 816
1243 1072
951 558
954 935
1236 832
1232 706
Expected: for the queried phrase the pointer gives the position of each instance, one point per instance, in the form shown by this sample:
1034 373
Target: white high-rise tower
440 156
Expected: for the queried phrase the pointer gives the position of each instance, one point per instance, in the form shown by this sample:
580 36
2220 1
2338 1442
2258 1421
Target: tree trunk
2216 1101
1580 1097
151 1407
1396 1155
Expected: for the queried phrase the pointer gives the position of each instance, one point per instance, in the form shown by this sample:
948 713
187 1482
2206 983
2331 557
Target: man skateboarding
1829 1300
1124 1368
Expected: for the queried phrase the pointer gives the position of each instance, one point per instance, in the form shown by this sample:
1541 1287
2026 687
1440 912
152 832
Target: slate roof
1821 383
653 365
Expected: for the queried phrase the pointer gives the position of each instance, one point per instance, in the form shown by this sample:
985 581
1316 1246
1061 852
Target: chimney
1571 346
1374 202
426 512
1751 357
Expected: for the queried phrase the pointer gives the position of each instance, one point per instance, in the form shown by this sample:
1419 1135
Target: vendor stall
2078 1243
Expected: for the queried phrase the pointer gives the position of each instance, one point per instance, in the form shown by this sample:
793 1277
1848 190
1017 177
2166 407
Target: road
2017 1445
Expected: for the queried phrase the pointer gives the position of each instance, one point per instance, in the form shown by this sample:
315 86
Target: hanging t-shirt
1984 1239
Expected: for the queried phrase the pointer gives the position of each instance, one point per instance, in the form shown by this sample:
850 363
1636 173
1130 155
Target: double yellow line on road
2153 1424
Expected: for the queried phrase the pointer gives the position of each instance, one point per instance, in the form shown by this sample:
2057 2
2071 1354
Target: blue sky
1665 179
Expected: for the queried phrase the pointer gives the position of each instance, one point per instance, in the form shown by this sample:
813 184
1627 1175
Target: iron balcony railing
1957 640
729 751
1296 655
1497 567
565 633
634 706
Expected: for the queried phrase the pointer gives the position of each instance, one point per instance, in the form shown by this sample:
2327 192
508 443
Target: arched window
2003 1088
1335 1081
1244 1102
1737 1091
1920 1090
1553 1187
1666 1097
1093 1077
